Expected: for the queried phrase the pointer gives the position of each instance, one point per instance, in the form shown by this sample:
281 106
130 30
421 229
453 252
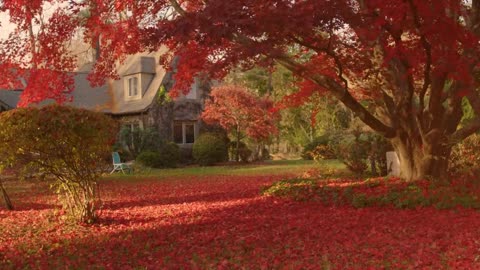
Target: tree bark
420 160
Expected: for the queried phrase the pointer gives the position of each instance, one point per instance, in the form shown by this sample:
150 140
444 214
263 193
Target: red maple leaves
237 110
223 222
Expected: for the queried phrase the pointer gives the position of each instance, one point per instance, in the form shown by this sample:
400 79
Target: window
184 132
132 88
133 126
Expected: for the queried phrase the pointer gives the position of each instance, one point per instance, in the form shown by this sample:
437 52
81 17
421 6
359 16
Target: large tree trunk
421 160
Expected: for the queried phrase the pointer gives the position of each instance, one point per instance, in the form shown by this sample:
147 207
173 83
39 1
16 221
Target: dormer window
133 90
132 86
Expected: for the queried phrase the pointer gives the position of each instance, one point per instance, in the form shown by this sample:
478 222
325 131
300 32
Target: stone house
135 99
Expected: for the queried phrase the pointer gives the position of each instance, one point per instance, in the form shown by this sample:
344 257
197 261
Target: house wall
146 79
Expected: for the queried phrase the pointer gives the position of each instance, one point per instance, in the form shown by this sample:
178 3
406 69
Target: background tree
303 119
240 113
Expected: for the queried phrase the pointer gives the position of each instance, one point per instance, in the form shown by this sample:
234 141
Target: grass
271 167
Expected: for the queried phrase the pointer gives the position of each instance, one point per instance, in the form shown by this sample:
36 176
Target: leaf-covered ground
223 222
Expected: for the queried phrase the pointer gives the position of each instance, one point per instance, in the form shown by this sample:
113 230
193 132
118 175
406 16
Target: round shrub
149 159
319 148
65 143
167 156
209 148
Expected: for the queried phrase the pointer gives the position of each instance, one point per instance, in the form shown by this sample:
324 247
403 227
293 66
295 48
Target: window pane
189 133
135 86
130 87
177 133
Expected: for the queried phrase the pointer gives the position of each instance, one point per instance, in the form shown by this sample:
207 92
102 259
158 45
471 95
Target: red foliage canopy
35 57
410 61
237 110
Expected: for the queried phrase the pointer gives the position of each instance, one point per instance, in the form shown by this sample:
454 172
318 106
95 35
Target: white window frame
128 82
184 131
131 124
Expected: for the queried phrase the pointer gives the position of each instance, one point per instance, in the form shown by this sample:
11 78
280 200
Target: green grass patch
277 167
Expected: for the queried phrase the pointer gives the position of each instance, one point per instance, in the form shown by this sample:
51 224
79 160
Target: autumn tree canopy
402 66
240 113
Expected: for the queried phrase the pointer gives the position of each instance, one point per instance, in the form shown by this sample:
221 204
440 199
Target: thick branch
329 53
177 7
428 55
340 93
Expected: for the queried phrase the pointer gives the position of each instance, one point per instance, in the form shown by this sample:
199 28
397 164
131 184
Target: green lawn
265 168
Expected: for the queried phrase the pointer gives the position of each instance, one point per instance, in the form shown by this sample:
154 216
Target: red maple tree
35 57
402 66
240 113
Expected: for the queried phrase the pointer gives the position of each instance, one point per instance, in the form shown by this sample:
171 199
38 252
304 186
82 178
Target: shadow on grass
265 232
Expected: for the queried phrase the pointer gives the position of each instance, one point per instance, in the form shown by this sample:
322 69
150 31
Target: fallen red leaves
223 222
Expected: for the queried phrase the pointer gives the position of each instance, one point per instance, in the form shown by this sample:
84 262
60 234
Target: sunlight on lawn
267 168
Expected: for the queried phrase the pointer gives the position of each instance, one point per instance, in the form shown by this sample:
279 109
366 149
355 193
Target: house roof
10 97
109 98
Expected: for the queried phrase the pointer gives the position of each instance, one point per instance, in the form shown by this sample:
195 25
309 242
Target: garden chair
118 165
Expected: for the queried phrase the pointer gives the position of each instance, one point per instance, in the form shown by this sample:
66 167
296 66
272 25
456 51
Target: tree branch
428 54
177 7
329 53
340 93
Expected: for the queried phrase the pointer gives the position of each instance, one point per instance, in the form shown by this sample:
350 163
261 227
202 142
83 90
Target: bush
353 151
360 151
149 159
65 143
465 156
296 189
380 192
318 149
134 142
210 148
168 156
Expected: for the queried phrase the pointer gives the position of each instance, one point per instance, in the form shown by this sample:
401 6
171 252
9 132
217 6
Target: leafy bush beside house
210 148
65 143
167 156
140 144
133 142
